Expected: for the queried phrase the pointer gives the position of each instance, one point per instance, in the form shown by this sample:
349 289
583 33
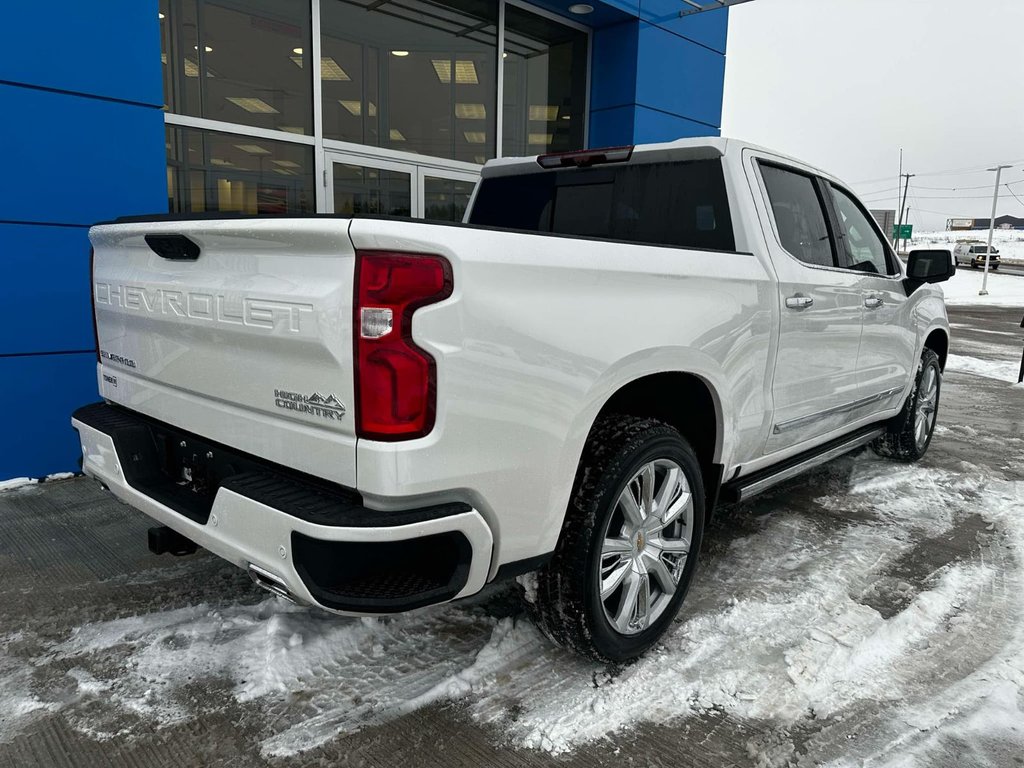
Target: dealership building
126 107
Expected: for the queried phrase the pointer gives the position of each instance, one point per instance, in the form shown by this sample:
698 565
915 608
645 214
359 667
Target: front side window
799 215
862 248
681 204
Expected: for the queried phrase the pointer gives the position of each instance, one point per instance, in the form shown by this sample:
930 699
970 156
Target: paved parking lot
855 614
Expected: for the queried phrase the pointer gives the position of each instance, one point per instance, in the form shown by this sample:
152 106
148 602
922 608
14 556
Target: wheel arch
683 400
938 341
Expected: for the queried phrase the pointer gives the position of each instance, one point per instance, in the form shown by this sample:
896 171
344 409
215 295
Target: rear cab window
680 203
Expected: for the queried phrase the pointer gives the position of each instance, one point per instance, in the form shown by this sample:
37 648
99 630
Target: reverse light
396 381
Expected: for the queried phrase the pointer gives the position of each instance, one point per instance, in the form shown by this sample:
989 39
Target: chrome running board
745 487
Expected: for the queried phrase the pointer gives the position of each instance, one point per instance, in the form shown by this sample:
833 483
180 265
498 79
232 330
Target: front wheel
909 434
628 548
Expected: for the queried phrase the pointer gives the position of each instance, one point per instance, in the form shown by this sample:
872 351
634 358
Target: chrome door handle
873 302
799 302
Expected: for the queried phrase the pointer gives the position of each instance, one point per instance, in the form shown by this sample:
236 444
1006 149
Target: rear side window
682 204
799 215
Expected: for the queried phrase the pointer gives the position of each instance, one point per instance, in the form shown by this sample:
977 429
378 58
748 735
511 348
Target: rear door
248 344
889 340
821 309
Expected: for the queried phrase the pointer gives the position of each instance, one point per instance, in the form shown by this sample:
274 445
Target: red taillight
396 381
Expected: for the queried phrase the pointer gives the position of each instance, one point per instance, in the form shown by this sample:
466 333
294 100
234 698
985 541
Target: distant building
1002 222
886 220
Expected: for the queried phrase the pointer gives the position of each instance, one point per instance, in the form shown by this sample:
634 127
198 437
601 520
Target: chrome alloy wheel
645 546
927 397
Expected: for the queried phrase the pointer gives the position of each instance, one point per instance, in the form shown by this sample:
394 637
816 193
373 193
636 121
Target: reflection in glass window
545 85
446 199
208 171
863 248
799 215
240 62
359 189
412 75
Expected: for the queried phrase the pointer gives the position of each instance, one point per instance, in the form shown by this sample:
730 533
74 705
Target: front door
820 306
889 343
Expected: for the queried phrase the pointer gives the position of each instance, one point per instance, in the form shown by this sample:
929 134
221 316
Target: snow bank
16 482
22 482
1003 290
1004 370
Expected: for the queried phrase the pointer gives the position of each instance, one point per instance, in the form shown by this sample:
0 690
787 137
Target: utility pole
991 228
908 177
896 234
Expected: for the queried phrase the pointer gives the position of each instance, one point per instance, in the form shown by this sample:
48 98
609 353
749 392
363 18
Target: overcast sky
843 84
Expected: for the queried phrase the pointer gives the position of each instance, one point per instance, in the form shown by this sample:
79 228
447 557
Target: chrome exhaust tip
271 582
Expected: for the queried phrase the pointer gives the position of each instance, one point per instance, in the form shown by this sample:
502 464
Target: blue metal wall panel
108 49
708 29
651 126
613 66
80 96
678 76
612 127
45 289
79 160
41 392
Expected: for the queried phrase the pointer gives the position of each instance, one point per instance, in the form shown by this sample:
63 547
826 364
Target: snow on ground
782 626
1003 290
1004 370
22 482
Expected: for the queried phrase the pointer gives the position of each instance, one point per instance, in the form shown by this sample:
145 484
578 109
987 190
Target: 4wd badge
324 406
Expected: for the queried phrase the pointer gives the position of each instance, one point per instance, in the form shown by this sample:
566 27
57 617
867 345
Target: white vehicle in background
973 253
374 414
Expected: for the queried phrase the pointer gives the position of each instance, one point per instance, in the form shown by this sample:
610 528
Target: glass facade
213 171
239 62
545 97
409 81
419 77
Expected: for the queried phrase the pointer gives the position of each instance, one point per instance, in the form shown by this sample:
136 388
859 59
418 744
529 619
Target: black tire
902 441
569 607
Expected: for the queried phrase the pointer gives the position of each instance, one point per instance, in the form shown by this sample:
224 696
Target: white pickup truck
373 414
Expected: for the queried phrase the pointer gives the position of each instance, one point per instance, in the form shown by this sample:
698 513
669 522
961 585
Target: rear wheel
908 436
628 548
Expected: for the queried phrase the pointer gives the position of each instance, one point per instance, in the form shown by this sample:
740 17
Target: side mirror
929 266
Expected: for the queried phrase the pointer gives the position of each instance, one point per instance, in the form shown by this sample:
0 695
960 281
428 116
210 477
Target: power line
950 172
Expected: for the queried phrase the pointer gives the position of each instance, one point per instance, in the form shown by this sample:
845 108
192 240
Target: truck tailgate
249 344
